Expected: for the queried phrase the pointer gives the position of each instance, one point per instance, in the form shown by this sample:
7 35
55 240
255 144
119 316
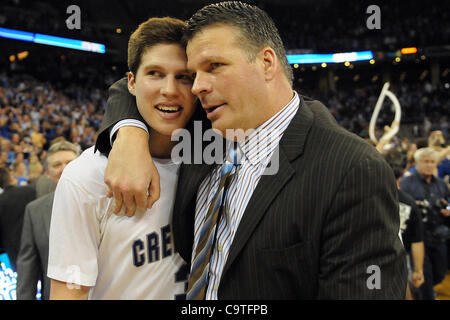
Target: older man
33 254
431 194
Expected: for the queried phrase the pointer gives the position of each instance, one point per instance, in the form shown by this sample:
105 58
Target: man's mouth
168 109
211 109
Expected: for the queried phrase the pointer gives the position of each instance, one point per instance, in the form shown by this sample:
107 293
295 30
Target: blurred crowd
424 108
33 114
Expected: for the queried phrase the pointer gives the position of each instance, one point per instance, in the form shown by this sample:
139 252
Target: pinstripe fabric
257 149
198 279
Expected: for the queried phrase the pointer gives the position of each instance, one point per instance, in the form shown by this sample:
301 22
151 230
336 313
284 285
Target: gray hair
420 153
61 146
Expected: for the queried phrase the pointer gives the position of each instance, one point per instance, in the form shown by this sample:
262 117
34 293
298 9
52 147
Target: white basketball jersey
120 257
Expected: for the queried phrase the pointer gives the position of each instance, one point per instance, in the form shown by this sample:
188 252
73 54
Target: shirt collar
421 177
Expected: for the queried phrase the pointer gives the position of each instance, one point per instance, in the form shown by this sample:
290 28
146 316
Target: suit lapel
291 146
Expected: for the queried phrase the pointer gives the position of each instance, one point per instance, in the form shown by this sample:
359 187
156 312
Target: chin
219 129
169 130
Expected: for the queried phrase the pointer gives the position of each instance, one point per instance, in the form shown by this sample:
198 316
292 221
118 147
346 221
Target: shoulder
37 204
24 192
87 171
335 143
409 178
442 184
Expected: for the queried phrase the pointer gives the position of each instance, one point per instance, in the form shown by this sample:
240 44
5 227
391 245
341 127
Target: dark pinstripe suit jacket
313 230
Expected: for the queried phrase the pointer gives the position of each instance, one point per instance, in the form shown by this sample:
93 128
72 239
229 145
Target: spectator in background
33 255
37 138
444 165
20 171
35 170
437 142
12 207
431 194
44 183
411 226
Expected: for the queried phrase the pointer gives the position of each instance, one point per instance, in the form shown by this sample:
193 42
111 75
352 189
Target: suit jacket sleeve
362 256
28 262
121 105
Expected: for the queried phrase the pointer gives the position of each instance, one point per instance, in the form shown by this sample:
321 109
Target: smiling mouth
168 109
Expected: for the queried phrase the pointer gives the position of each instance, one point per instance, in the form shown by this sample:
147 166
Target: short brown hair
152 32
257 29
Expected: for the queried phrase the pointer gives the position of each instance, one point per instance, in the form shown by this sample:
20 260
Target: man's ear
131 83
269 61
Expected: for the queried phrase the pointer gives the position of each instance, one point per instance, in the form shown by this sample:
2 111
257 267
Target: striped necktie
199 276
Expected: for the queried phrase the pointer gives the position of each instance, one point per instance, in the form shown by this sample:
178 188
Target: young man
324 226
94 253
33 255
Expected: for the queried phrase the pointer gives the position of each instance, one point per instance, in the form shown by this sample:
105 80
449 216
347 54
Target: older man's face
57 162
228 85
427 165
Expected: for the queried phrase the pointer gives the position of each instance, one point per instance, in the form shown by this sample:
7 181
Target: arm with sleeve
74 235
28 262
364 217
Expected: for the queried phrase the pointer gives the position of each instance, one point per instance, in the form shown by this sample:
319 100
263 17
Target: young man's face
162 87
228 85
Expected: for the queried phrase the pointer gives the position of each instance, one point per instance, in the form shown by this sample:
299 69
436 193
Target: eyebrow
159 67
212 59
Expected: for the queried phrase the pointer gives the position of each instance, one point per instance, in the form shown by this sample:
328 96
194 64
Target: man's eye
154 73
216 65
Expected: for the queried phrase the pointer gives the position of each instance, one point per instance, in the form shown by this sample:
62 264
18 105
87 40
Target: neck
277 97
160 145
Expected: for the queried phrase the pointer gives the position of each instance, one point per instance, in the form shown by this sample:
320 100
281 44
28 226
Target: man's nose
169 87
201 85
